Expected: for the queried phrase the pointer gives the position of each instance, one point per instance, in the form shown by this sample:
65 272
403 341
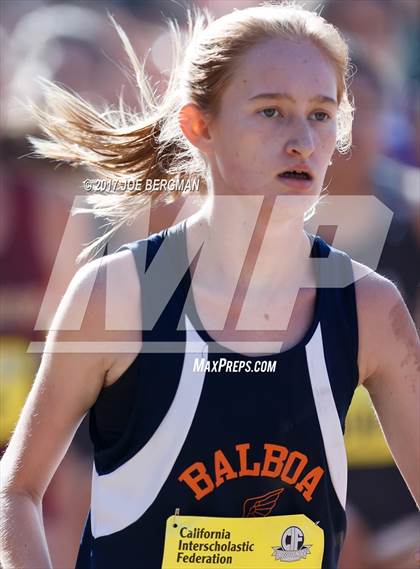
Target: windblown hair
122 145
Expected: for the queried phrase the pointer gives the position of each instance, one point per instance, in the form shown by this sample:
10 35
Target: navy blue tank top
176 431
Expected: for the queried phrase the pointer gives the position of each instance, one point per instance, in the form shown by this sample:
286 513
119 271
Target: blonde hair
123 145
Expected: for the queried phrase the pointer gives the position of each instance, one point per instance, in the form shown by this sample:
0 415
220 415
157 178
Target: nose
300 142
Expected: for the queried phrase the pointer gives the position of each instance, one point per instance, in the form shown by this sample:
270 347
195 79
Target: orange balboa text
278 462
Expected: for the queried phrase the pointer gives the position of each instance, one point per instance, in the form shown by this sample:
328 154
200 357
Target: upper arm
67 383
390 366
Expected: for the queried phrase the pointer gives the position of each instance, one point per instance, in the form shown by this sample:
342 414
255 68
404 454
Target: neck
249 242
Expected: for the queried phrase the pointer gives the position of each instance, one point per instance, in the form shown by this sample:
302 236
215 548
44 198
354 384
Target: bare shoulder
102 272
389 366
385 325
118 282
374 291
98 291
101 308
116 307
124 322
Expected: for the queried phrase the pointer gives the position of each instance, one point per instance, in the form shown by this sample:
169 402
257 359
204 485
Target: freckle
412 380
266 316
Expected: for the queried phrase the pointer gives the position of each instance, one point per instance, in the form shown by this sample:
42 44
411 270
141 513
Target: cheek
332 131
328 138
235 162
237 151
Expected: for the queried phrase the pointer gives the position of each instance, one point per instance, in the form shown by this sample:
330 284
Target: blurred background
75 44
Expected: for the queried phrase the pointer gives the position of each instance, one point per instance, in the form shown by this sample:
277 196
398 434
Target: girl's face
277 113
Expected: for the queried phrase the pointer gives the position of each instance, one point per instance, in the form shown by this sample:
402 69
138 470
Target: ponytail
118 144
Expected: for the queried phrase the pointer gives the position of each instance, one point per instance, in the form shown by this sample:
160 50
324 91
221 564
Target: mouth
296 180
296 174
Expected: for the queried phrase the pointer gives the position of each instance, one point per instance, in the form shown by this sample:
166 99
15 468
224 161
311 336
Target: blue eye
325 115
269 112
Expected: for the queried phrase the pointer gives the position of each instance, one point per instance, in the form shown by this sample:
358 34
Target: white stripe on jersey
122 496
328 418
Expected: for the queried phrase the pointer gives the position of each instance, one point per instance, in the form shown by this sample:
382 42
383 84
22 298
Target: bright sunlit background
75 44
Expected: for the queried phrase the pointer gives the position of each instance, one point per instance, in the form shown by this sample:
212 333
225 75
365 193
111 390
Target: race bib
242 543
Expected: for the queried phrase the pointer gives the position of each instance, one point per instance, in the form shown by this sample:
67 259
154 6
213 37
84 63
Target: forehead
283 66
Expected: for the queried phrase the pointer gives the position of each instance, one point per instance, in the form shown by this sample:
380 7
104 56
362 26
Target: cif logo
292 539
292 547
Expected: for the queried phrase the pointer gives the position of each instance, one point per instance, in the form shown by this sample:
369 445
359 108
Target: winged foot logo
261 506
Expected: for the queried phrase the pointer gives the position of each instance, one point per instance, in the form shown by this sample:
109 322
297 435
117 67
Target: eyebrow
285 96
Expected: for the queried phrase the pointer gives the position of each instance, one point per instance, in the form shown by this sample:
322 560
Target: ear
194 124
